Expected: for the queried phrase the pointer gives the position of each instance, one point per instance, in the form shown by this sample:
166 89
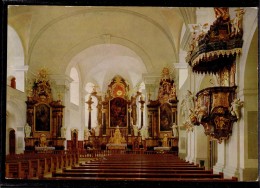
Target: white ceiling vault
100 42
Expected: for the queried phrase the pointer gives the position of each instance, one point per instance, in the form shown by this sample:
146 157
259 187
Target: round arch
15 58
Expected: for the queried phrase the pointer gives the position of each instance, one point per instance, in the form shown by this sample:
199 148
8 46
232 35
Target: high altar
117 117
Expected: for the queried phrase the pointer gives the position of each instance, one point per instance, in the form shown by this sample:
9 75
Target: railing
103 153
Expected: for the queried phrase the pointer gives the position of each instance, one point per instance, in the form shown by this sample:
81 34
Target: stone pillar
201 145
142 110
89 102
188 136
104 116
221 158
129 110
232 154
190 147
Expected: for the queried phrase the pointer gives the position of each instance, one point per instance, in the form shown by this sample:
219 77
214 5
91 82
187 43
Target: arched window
74 86
15 59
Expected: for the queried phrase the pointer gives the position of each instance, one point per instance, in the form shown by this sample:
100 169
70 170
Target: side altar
43 130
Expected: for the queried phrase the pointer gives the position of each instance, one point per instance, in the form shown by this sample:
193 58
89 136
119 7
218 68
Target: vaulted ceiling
100 41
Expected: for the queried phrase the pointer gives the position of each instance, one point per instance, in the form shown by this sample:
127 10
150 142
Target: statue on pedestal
144 132
63 132
27 130
175 130
97 130
87 133
165 140
135 128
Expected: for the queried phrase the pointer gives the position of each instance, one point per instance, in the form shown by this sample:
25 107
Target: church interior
121 85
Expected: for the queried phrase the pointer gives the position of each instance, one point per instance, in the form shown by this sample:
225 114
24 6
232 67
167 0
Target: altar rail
102 153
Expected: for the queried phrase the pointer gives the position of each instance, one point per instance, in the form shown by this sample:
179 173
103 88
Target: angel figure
235 107
237 21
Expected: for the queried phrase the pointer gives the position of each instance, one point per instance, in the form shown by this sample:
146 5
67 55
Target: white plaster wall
205 15
75 121
16 119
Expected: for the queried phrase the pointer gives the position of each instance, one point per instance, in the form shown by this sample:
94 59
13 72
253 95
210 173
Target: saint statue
187 105
27 130
175 130
97 129
63 132
87 133
135 128
165 140
144 132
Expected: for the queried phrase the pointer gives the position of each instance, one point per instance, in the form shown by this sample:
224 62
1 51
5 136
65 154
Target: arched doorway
12 142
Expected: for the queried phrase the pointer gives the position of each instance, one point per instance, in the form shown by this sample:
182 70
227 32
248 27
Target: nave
84 82
116 165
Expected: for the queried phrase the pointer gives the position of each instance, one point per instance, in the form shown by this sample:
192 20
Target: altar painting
166 120
42 117
118 112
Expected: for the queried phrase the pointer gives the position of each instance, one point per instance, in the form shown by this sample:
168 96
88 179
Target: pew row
31 166
138 167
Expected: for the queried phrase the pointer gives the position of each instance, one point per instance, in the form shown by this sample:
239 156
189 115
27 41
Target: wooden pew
105 179
137 167
12 170
136 175
136 170
28 166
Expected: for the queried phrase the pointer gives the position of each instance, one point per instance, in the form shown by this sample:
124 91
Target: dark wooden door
74 140
12 142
